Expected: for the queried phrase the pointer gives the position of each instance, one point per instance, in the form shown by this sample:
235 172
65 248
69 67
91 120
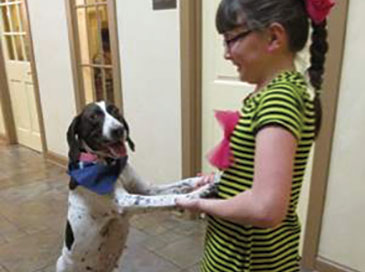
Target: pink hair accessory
318 10
221 156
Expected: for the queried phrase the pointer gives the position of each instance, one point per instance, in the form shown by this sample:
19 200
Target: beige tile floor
33 195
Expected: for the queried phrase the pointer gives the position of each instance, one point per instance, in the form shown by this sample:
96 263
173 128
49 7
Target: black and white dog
105 191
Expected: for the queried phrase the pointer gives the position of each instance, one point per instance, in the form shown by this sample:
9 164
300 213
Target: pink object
88 157
318 10
221 156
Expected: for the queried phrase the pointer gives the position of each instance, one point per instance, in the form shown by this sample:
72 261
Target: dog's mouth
115 149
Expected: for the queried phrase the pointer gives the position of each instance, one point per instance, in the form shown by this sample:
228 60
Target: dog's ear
73 140
129 140
130 143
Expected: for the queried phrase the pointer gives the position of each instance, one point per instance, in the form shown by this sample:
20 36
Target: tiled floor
33 203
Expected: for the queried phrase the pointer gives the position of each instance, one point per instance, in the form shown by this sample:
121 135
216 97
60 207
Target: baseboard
325 265
57 159
3 138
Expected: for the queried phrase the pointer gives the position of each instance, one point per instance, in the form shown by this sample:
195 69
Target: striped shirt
285 102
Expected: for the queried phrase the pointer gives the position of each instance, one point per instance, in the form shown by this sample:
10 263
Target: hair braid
318 52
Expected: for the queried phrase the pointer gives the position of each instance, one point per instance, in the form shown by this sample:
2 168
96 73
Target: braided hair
292 14
318 50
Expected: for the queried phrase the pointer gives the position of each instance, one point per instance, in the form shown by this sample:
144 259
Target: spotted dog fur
97 225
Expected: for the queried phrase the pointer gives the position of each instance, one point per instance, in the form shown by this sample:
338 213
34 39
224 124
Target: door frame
8 115
191 86
76 55
337 23
191 75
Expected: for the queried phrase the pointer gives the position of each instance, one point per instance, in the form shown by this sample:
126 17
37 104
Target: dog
105 191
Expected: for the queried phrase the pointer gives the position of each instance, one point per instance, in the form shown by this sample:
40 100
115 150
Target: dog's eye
113 111
94 116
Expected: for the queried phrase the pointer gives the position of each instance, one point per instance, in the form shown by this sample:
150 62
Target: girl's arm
266 204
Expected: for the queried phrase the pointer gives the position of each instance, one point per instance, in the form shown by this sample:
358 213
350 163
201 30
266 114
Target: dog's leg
128 203
180 187
133 183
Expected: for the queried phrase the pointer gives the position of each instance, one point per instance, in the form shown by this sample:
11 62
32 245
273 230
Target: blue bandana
97 177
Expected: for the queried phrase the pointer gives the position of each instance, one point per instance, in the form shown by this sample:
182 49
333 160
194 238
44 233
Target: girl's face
248 51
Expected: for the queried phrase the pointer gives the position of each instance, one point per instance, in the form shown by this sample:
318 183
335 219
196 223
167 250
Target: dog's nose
117 133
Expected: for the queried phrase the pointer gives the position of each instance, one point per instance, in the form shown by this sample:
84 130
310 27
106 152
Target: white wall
150 63
48 22
342 237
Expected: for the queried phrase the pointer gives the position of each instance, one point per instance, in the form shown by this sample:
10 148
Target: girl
253 225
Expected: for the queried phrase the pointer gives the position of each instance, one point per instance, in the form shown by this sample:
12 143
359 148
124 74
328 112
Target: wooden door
16 45
95 50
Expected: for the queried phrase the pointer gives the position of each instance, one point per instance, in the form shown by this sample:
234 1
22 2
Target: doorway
93 38
20 97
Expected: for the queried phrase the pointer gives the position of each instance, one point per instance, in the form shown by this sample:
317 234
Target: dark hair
292 14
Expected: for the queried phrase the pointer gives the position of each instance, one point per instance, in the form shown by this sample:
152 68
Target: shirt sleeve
280 106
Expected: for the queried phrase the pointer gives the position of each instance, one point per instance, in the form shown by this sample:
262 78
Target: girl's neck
275 68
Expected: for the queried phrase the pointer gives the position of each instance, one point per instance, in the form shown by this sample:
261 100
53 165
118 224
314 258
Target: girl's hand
206 179
188 204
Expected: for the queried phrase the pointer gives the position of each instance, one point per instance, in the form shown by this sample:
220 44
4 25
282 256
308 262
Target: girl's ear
277 38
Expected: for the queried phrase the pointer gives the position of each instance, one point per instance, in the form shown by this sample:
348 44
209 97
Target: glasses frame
229 42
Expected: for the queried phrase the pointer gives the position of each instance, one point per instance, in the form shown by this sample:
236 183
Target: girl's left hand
192 205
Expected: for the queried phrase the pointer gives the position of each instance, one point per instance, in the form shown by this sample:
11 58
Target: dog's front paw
205 191
210 192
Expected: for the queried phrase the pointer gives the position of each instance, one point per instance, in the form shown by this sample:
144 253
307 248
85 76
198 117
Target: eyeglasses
228 43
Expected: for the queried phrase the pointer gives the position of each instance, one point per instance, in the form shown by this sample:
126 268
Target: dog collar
97 177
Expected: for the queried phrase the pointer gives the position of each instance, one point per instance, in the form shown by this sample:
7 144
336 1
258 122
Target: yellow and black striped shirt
285 102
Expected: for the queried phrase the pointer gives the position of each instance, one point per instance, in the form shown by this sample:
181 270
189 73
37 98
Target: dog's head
100 129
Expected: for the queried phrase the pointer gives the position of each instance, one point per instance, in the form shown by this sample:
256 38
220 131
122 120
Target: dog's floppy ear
130 143
73 140
129 140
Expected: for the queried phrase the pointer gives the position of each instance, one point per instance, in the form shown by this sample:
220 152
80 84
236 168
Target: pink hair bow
221 156
318 10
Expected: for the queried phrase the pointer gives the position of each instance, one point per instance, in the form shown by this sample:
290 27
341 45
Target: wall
342 237
150 64
48 22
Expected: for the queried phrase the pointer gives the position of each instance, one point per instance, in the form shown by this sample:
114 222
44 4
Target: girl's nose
227 54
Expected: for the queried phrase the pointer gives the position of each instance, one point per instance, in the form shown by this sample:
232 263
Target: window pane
104 34
93 33
83 35
18 45
84 2
14 19
5 19
27 48
109 85
9 45
87 73
103 80
99 83
80 2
